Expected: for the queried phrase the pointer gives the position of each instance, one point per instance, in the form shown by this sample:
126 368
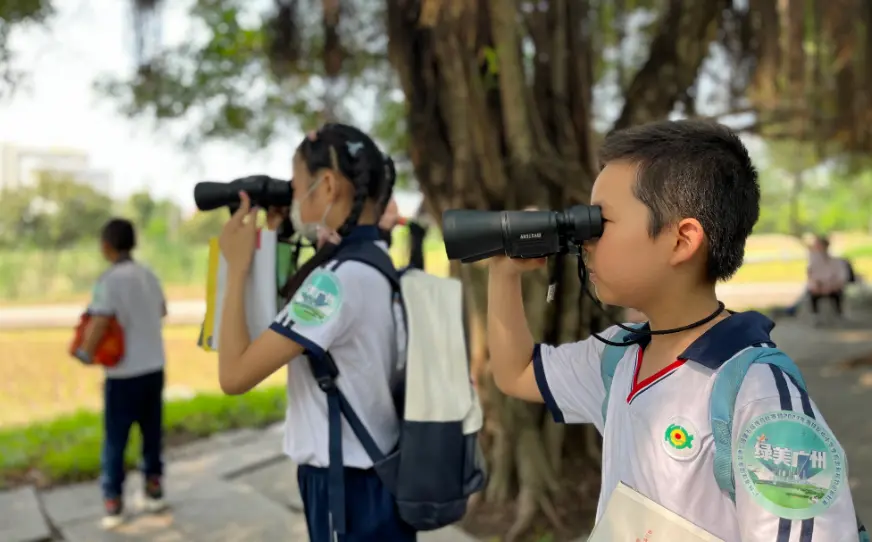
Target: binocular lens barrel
471 235
262 189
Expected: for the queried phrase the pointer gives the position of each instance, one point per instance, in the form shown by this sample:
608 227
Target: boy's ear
689 237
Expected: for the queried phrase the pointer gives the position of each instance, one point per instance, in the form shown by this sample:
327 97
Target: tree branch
512 82
677 51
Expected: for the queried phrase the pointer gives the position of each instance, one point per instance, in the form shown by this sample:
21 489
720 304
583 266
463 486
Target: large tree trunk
493 127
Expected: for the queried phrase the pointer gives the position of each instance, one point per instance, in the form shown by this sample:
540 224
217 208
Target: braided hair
348 151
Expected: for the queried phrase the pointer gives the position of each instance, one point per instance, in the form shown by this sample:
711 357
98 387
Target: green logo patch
678 437
681 439
318 299
790 464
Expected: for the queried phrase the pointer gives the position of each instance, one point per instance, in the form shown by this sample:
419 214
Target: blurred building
23 165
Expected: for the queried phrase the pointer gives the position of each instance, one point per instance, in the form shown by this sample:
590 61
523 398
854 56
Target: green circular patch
318 300
790 464
678 437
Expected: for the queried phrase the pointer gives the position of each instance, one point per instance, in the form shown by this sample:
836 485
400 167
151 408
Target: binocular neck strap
642 334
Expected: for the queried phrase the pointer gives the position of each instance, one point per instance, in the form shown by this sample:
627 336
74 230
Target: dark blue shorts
371 515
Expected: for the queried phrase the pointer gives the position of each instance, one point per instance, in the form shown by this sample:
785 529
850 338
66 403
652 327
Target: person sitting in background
133 390
827 277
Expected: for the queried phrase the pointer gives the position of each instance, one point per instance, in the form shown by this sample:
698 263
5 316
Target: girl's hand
239 236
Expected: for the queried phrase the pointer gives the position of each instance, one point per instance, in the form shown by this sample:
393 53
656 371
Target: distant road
736 296
48 316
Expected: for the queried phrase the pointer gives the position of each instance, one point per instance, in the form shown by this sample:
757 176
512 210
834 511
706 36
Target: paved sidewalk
844 396
235 487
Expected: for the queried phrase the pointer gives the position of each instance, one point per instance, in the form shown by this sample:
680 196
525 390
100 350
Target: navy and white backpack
437 463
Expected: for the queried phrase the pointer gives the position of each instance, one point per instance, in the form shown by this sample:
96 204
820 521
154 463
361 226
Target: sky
59 107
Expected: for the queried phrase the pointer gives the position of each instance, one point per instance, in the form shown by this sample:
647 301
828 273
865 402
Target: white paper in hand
632 517
260 289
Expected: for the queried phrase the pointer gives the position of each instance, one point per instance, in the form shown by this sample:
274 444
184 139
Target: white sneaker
152 496
114 515
152 505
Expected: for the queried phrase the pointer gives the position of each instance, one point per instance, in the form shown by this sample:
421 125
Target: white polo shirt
344 308
658 437
131 293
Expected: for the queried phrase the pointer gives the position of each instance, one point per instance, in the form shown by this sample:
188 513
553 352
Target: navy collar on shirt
360 234
723 340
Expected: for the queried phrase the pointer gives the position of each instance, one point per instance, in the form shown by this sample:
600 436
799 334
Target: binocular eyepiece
471 235
263 190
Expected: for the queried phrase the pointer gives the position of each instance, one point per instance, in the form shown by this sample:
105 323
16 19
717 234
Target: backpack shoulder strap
372 255
324 370
726 387
609 360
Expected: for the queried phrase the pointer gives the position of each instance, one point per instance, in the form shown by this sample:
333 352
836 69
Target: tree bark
677 52
492 128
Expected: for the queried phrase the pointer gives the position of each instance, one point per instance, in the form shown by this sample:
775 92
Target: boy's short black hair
119 234
693 169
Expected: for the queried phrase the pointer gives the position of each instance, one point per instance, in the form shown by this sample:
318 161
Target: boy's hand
515 266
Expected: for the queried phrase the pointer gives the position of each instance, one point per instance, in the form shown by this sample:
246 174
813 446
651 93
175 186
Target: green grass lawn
791 271
40 381
50 405
67 449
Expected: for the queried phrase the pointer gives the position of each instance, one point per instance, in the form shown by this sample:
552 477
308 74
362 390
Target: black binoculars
470 235
263 190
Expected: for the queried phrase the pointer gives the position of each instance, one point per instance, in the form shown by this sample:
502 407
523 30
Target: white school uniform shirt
648 423
344 308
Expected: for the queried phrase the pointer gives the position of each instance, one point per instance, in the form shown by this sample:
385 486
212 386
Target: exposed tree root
592 447
536 473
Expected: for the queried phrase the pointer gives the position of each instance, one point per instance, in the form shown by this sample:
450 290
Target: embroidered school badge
318 299
678 439
790 464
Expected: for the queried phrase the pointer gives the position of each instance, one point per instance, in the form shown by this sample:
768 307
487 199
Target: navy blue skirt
371 515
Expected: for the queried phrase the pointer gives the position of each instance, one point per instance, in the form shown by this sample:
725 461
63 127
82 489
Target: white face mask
308 230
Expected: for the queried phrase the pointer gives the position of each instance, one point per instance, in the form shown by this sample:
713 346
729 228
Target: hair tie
354 147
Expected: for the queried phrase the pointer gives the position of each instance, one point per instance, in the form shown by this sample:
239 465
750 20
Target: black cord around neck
583 276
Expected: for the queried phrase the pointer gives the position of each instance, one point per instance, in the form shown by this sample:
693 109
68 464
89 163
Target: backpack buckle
327 383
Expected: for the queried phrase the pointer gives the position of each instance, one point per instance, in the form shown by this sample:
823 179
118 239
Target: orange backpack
110 349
